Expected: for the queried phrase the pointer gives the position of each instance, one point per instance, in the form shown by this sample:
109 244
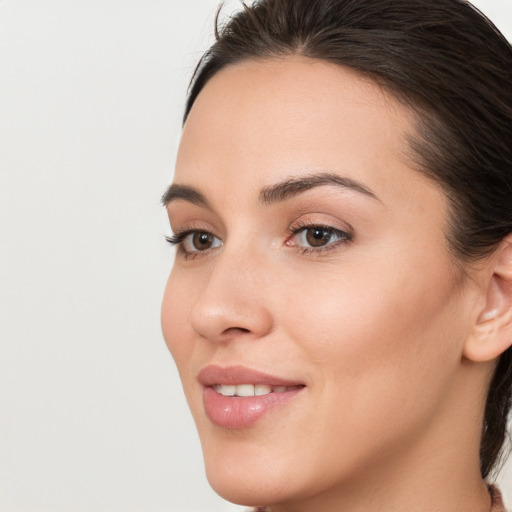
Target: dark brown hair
448 63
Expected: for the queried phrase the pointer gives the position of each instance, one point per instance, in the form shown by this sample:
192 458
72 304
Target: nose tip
232 305
217 317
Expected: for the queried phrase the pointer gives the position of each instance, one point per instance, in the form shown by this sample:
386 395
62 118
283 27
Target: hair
449 64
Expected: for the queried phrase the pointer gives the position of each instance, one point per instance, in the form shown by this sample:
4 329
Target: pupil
317 237
202 241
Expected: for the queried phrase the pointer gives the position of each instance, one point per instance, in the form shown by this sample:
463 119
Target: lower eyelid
343 237
180 240
188 238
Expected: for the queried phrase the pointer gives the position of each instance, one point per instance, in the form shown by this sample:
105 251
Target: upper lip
234 375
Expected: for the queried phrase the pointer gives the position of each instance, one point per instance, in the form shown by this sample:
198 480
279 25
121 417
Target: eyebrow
295 186
186 193
281 191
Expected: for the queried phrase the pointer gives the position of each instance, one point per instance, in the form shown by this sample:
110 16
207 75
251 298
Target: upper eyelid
294 227
335 224
322 225
344 238
182 218
193 226
178 241
303 221
344 234
180 234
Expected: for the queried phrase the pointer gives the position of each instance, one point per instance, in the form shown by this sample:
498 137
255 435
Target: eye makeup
305 237
311 238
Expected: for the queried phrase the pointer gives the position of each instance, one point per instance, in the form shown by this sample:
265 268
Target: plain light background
92 416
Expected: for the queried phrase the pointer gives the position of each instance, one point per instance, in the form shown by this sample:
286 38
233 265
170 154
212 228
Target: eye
192 242
315 237
200 241
311 238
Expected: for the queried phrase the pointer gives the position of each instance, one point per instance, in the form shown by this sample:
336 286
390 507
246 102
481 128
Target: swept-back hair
453 68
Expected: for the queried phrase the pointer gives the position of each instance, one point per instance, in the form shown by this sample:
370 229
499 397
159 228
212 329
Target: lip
235 375
242 412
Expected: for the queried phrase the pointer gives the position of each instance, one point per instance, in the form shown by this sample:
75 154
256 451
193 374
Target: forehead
259 123
286 114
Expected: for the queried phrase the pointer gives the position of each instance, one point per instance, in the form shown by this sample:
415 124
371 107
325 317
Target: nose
234 301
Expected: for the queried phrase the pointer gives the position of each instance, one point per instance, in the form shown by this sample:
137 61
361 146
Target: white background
91 412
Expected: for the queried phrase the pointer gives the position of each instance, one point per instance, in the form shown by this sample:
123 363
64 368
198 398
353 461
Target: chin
248 490
248 478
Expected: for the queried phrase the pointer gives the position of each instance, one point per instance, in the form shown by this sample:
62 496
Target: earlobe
492 332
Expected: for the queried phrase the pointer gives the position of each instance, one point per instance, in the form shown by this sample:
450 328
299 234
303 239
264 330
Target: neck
406 489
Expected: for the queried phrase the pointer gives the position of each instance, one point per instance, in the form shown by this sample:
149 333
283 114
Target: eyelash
179 238
344 238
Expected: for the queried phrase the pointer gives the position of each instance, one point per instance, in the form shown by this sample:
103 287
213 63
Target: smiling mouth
237 397
248 390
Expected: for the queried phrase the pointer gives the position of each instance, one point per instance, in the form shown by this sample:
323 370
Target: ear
492 333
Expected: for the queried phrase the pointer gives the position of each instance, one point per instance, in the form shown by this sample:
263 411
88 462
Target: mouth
236 397
245 390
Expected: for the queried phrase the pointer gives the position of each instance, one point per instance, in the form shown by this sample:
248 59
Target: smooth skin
387 330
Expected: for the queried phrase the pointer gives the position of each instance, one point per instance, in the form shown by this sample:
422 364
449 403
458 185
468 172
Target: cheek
176 308
382 351
378 332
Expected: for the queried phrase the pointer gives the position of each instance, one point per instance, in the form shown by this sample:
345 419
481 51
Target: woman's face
313 274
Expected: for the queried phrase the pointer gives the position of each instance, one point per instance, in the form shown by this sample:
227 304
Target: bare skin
374 315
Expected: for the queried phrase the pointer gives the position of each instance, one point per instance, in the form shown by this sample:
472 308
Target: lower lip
242 412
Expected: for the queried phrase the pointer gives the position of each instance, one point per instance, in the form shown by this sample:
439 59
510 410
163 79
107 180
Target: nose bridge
233 298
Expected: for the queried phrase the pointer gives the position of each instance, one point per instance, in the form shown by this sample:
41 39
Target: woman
340 307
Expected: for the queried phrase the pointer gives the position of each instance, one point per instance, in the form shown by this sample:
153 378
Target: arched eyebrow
294 186
186 193
281 191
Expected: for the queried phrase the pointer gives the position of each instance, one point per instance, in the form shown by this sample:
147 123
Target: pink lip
234 375
241 412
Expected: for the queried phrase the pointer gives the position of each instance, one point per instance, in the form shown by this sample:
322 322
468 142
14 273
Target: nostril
235 330
222 313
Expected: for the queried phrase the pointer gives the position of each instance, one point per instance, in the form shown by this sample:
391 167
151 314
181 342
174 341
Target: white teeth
226 390
262 389
244 390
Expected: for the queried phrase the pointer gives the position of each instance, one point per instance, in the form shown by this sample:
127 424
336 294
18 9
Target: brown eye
320 237
317 237
202 241
196 241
